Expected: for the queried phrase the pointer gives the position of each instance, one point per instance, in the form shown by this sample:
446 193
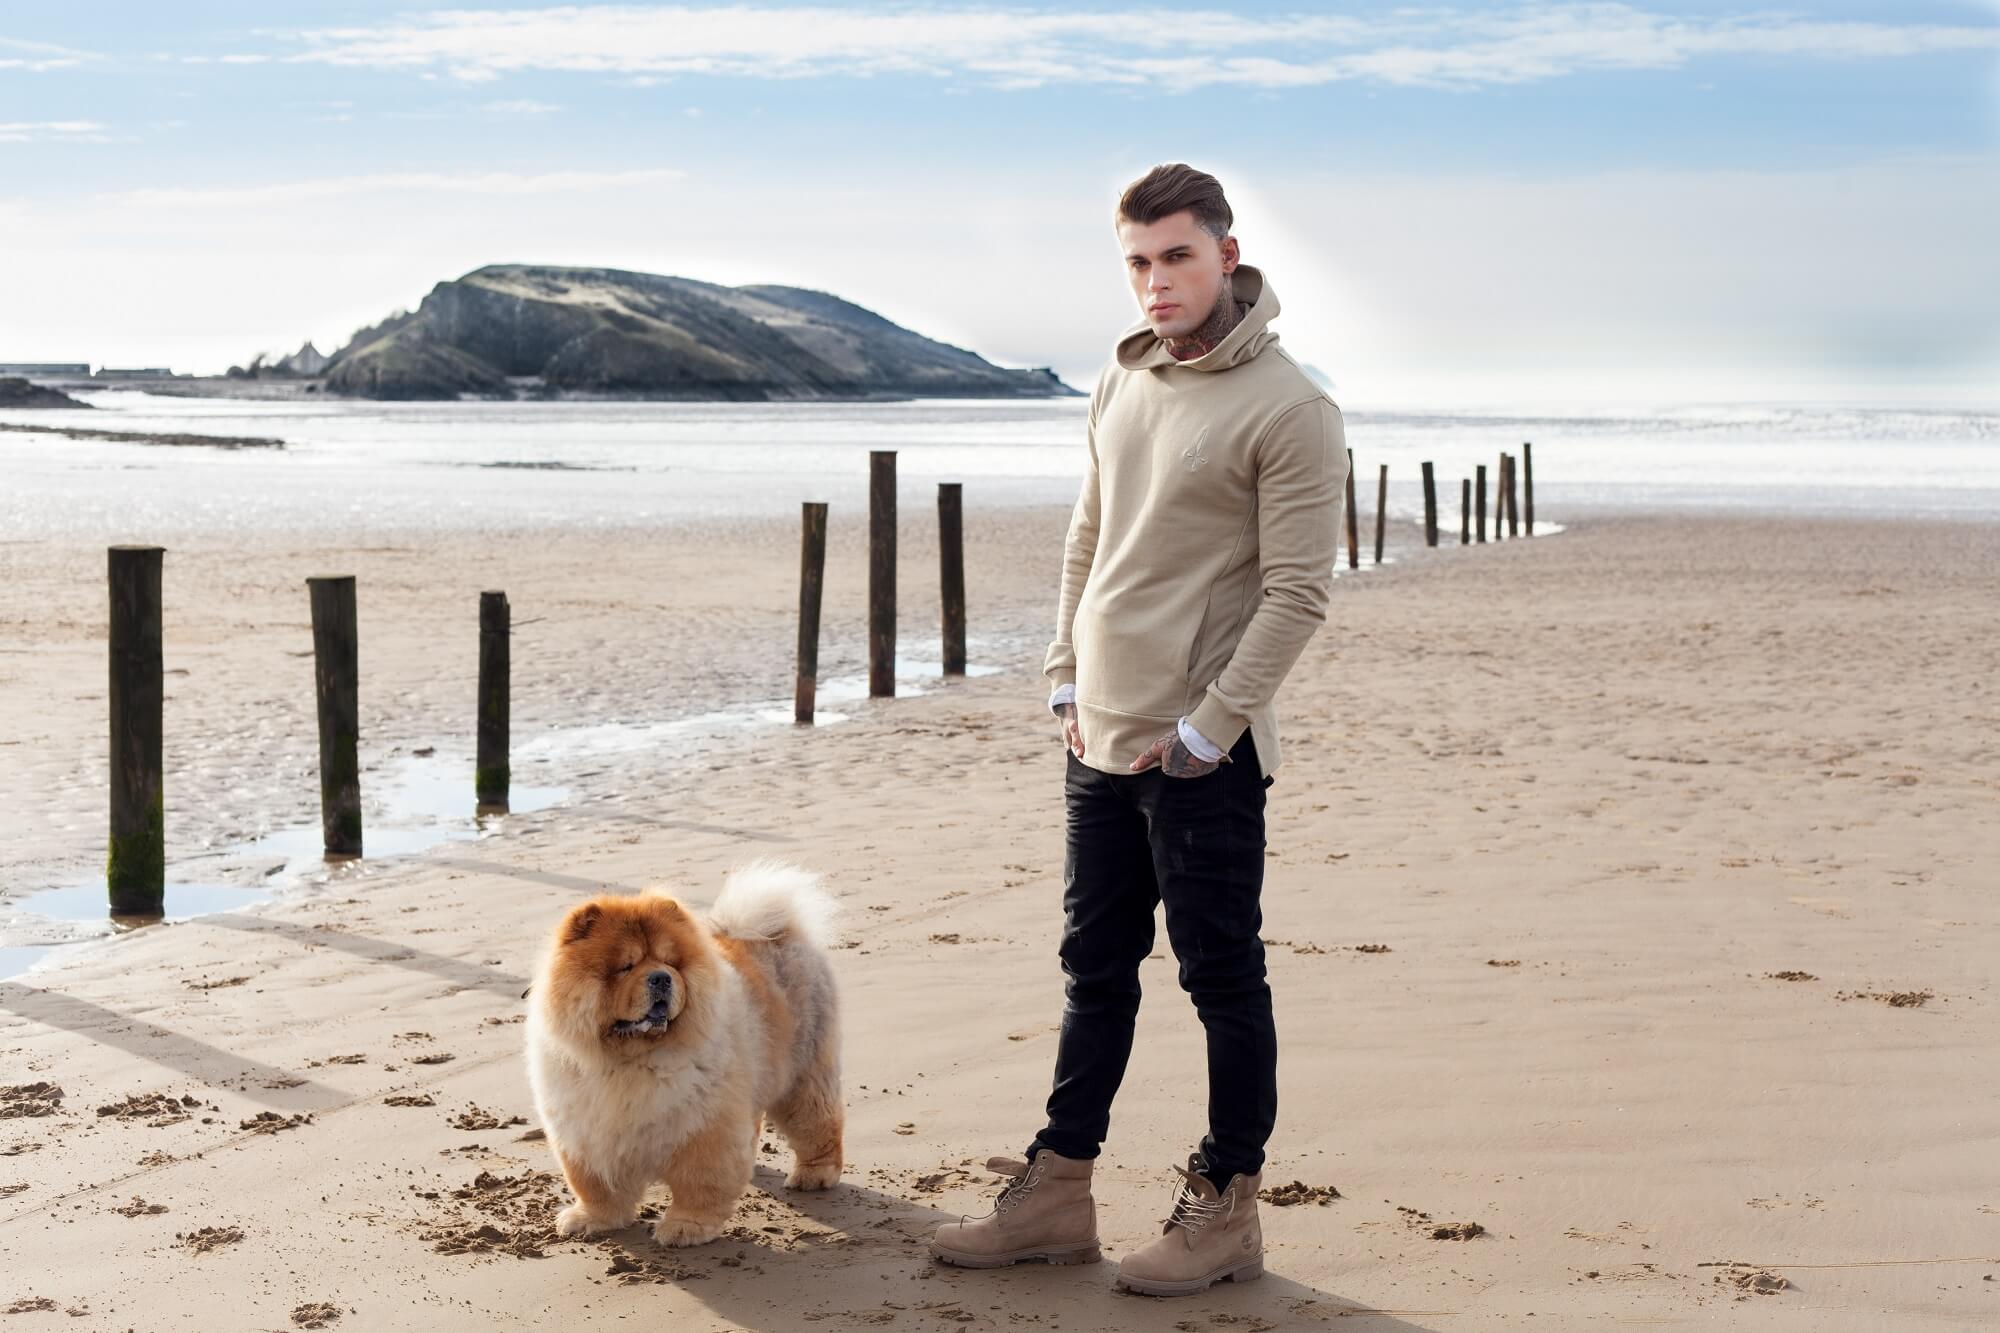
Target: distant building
139 373
308 360
45 369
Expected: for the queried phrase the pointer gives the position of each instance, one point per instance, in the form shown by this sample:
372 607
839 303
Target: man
1197 566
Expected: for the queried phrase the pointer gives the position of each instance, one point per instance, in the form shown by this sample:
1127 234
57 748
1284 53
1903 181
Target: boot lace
1021 1182
1194 1213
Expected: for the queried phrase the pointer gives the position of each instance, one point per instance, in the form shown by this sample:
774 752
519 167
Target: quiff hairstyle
1172 187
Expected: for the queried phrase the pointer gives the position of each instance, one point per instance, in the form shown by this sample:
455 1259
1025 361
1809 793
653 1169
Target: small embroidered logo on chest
1193 456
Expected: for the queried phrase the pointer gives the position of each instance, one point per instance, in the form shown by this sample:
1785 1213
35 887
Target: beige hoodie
1201 550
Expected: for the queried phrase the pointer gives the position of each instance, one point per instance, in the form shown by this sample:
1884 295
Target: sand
1601 871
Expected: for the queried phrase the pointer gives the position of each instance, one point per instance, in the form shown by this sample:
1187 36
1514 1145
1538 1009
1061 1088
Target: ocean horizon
453 465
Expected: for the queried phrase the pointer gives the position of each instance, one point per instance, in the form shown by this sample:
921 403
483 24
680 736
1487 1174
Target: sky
1457 204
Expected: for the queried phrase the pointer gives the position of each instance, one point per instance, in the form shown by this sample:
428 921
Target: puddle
79 911
414 804
685 735
16 961
411 803
87 902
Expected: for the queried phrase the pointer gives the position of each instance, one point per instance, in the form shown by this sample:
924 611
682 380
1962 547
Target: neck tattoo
1201 341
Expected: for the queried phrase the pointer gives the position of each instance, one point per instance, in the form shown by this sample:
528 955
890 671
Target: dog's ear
579 923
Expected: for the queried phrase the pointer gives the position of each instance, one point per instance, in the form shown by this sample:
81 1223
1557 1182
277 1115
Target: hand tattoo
1180 762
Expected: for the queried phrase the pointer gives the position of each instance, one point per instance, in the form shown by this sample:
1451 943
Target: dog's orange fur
597 974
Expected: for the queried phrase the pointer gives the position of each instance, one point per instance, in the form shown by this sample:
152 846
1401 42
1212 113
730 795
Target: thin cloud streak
336 187
1027 48
52 131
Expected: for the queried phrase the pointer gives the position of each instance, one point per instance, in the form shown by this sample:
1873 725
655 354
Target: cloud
36 57
401 182
1025 48
52 131
521 107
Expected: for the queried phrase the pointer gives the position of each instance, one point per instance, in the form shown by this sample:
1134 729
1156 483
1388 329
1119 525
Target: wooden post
135 864
1430 507
336 673
812 578
1381 510
1353 524
951 573
1464 510
492 773
1500 497
1479 501
882 573
1513 497
1528 482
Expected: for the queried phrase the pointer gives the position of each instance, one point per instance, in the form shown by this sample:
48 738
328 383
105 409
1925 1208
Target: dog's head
628 975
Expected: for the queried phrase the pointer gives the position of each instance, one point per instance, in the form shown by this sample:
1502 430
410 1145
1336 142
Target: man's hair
1172 187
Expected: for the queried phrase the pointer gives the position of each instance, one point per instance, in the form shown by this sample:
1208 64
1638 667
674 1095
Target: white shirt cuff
1199 745
1064 694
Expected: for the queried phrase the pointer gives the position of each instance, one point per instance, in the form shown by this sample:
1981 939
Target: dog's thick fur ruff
658 1040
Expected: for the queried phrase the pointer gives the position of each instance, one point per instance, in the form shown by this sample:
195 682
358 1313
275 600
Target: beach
1629 895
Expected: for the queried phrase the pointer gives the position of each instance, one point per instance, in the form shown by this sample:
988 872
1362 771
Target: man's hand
1072 729
1171 753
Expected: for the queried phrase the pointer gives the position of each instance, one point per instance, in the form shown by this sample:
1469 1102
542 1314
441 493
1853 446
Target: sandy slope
1588 794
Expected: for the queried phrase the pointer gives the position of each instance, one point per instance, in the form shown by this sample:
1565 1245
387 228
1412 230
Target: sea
404 466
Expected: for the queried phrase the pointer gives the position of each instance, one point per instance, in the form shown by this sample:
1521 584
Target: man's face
1176 270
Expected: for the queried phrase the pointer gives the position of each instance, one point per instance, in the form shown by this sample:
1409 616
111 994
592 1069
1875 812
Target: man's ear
579 923
1232 254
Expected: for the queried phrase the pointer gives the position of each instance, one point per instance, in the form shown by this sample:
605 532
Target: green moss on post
135 868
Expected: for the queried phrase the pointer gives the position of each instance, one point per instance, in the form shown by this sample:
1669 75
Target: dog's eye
627 968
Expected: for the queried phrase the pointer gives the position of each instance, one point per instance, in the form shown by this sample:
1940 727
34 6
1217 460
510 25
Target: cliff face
604 331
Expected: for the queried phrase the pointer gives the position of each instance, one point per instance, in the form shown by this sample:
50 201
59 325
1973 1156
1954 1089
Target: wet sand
1629 899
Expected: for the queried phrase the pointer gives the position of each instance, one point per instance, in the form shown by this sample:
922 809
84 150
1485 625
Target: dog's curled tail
768 899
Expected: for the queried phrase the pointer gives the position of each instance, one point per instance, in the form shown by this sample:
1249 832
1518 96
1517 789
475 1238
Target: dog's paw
813 1176
680 1232
576 1220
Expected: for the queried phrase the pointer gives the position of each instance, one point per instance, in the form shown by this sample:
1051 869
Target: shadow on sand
856 1256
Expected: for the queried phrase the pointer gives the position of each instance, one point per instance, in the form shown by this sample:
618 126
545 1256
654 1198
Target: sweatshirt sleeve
1079 550
1301 475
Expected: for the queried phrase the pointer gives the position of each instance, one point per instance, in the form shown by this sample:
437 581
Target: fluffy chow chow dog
660 1038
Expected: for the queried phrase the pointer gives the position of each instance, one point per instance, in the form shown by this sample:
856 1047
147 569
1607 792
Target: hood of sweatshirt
1140 349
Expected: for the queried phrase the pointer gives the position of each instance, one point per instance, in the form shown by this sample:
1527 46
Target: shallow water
371 467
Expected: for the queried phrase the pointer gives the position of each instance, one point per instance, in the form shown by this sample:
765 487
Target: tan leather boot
1044 1212
1207 1237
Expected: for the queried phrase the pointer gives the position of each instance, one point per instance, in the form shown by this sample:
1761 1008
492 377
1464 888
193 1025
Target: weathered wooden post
336 674
1381 510
882 573
951 573
1430 507
492 772
1353 538
1464 510
1513 497
812 579
135 863
1528 482
1500 498
1479 501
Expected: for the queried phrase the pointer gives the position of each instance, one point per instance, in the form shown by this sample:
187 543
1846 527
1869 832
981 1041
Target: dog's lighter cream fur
754 1032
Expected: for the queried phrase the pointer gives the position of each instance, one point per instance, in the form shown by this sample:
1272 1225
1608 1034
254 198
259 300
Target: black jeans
1197 845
